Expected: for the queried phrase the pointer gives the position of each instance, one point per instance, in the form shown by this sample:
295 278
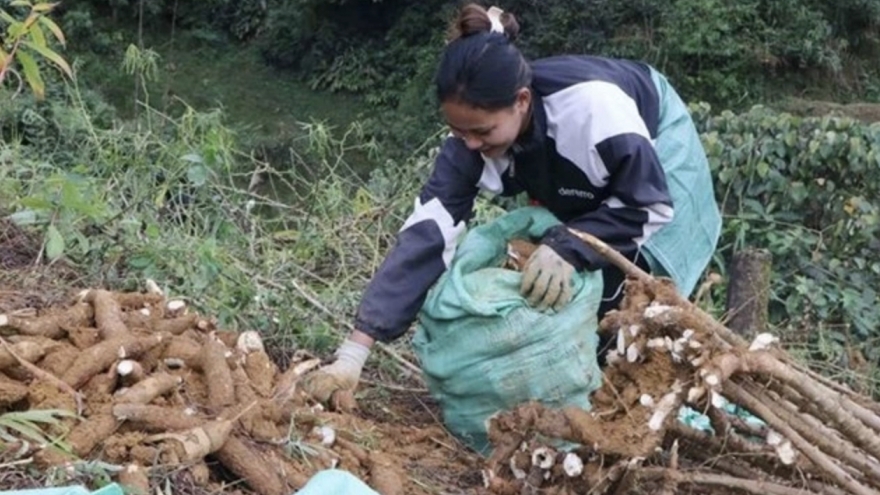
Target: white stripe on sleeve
659 214
434 210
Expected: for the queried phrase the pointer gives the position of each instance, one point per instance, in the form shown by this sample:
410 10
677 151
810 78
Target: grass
274 116
27 426
253 95
263 104
290 267
313 231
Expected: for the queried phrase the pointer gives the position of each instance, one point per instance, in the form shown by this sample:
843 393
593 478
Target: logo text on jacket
566 191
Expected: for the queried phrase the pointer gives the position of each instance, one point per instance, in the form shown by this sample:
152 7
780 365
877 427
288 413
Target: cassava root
813 425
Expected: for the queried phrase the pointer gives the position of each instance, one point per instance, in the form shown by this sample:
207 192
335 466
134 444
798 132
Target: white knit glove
342 374
546 279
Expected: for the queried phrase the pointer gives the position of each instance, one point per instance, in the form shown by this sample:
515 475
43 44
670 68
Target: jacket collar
535 134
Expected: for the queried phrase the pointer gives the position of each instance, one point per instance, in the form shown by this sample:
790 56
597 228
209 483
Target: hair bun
474 19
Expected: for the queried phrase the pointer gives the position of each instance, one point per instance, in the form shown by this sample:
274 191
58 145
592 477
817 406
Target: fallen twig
396 388
18 462
308 296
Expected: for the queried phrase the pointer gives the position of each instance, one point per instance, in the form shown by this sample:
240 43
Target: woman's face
491 132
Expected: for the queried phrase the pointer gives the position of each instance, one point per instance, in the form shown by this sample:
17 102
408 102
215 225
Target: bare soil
24 281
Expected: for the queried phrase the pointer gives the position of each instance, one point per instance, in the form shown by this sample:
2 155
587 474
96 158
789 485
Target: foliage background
125 179
731 55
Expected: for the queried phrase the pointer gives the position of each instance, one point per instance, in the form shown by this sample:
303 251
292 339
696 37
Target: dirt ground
24 281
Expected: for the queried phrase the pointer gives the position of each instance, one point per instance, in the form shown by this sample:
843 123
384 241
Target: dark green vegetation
731 55
805 188
133 173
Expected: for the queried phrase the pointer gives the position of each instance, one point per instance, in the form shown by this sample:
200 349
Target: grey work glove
342 374
546 279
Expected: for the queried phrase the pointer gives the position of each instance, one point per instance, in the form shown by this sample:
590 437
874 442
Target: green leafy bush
806 189
310 35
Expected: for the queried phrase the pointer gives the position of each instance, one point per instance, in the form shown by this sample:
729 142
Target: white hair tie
495 18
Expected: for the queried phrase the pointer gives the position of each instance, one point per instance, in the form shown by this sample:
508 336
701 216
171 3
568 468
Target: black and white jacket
588 157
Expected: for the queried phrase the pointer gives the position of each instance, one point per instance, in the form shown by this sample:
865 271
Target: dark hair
480 67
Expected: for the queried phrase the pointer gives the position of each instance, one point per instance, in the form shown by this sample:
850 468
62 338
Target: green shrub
807 190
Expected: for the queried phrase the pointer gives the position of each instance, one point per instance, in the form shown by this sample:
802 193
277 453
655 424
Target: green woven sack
483 349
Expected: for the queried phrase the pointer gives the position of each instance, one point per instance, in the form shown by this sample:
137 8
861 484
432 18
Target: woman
583 137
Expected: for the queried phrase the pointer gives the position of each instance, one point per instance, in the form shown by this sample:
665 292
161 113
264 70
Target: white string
620 287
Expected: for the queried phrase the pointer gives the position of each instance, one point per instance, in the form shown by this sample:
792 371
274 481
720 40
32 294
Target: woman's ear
523 99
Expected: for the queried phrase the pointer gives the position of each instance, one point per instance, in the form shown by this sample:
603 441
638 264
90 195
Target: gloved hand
342 374
546 279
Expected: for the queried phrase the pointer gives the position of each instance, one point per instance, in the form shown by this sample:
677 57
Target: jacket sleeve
425 244
638 203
